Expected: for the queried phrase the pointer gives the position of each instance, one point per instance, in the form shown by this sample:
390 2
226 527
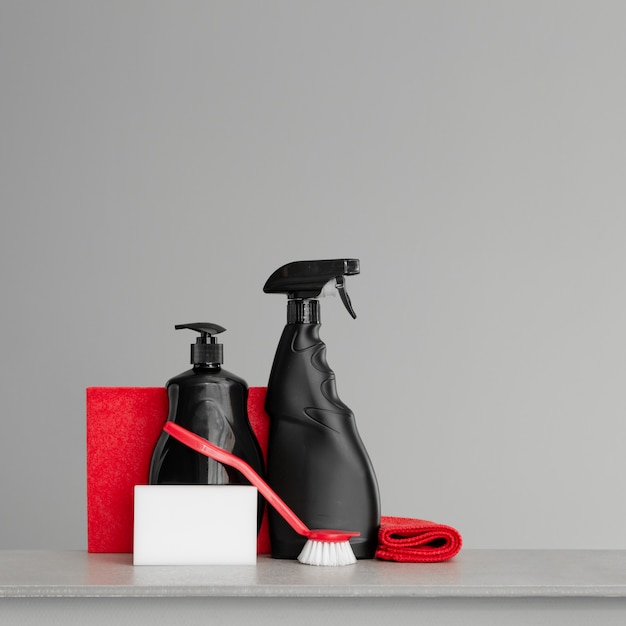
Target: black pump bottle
212 403
316 460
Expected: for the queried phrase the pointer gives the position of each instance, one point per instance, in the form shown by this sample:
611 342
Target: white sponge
195 525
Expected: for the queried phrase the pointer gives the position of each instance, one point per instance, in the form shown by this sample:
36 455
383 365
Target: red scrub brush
324 547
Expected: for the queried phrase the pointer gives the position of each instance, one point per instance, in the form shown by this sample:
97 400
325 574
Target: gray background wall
160 159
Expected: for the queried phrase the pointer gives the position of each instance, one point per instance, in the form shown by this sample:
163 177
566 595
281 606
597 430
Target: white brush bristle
327 553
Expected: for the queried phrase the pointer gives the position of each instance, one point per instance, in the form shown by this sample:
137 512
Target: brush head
329 548
330 554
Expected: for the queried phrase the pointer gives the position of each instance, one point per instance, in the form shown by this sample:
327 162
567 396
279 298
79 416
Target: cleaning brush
323 546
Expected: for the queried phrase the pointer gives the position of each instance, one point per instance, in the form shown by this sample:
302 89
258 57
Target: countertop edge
475 574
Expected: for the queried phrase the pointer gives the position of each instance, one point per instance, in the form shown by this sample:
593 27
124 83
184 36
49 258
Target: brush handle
203 446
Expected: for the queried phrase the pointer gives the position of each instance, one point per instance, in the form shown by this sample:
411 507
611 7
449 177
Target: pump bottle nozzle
206 350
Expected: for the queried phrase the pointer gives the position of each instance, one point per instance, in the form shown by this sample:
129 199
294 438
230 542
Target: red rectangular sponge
123 425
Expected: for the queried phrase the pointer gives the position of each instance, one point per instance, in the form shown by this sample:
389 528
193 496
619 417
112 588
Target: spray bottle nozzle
303 280
206 350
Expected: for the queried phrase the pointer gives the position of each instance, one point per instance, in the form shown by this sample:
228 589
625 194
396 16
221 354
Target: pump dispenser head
206 350
303 281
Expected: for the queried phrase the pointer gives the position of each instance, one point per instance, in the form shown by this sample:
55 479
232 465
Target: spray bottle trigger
343 294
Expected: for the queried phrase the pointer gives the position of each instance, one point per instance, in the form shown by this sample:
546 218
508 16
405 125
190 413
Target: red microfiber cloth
409 540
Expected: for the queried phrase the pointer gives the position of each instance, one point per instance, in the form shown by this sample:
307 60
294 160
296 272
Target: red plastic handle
203 446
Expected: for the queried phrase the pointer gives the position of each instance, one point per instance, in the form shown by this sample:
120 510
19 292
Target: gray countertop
471 574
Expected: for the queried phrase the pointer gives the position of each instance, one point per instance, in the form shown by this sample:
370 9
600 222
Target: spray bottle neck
303 311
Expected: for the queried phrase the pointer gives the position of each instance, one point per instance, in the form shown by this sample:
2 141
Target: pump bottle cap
206 350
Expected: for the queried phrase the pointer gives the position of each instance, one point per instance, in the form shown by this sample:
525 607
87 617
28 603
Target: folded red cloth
409 540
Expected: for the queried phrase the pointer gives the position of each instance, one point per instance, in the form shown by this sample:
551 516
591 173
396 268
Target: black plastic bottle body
212 403
316 460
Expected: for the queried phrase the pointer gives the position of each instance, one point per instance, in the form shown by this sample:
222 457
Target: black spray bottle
212 403
316 460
